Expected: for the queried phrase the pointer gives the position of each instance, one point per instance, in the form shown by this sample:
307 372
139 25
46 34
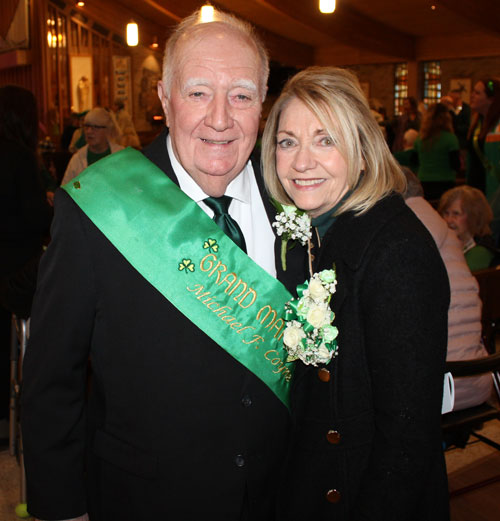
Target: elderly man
100 135
186 414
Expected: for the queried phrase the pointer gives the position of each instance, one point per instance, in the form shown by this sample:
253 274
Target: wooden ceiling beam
347 26
484 13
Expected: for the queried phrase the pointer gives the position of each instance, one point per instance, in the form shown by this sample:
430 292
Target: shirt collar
239 188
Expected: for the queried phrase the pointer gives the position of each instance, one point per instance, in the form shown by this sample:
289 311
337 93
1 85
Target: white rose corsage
309 335
291 224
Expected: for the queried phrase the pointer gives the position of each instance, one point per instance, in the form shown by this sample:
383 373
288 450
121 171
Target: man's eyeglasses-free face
88 126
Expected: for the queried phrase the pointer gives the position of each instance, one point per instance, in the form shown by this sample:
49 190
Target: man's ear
163 99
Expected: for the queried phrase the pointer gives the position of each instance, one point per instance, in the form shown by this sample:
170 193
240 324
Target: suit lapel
157 153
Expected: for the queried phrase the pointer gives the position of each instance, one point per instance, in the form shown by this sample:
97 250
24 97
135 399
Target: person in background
460 115
77 139
101 136
366 440
464 313
438 152
408 157
25 218
483 160
71 124
410 118
126 125
467 212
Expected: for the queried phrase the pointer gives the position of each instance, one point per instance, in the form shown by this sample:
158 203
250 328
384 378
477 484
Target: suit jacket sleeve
406 332
55 366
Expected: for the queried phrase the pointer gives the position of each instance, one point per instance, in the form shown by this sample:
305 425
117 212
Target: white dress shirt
247 209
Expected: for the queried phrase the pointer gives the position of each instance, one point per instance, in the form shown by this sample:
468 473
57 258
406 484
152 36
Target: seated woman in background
467 212
464 314
438 152
366 439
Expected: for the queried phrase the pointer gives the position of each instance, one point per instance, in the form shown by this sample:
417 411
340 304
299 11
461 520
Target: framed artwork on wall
121 81
81 83
14 26
463 85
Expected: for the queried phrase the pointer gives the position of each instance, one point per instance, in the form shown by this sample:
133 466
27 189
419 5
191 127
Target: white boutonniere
291 225
309 335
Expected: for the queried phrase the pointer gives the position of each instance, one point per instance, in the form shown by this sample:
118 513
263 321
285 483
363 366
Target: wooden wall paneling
39 48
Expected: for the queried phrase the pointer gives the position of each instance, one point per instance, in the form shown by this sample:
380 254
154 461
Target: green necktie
220 206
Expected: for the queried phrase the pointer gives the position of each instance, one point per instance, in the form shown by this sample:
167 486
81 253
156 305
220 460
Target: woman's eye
327 141
285 143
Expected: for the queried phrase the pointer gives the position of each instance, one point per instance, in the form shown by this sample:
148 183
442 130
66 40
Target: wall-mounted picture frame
463 85
82 95
14 26
122 88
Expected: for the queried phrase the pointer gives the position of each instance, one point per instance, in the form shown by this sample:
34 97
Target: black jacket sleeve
54 374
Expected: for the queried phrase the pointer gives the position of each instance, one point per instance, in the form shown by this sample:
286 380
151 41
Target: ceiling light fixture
132 34
327 6
207 13
80 4
154 45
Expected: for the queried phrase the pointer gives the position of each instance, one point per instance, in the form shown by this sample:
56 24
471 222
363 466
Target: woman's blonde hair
334 96
475 206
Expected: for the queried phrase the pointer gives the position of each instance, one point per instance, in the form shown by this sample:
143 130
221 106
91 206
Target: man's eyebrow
203 82
245 84
195 82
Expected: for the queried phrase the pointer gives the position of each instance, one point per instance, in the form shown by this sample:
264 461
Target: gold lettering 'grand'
244 295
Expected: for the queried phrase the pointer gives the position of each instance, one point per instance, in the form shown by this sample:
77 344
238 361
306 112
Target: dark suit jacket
174 427
383 400
461 124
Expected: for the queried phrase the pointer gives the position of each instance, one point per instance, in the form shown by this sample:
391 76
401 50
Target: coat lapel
158 154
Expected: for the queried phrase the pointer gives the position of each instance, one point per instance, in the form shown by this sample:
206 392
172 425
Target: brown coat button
333 496
333 437
324 374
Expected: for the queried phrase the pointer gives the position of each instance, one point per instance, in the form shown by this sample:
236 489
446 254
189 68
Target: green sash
176 247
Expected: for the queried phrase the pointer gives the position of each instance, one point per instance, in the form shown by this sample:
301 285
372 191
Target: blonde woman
366 442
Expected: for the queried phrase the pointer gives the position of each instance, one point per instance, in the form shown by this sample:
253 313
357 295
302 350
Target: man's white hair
192 25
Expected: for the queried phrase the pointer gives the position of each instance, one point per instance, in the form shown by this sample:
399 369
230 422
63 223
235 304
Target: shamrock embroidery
211 245
187 265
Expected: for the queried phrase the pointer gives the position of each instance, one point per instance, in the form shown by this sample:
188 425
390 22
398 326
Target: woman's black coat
370 436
